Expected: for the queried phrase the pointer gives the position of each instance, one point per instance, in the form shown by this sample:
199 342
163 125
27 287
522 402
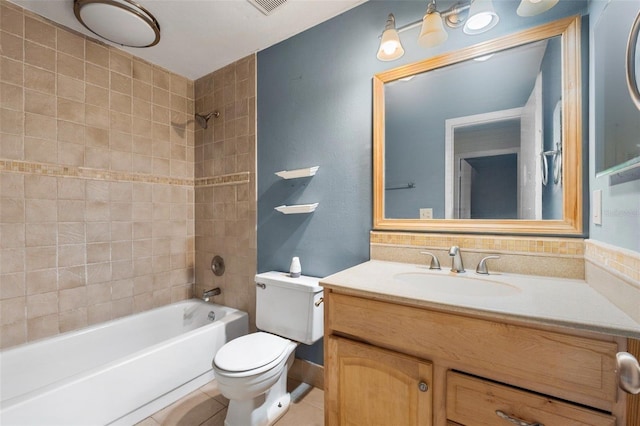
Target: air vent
267 6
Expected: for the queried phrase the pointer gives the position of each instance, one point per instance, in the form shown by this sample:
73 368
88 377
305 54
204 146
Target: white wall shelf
297 208
298 173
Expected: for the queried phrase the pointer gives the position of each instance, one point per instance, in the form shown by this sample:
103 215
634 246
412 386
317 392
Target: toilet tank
287 306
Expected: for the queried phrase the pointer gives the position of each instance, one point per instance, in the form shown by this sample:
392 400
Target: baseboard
307 372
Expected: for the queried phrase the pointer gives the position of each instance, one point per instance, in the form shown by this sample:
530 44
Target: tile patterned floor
207 407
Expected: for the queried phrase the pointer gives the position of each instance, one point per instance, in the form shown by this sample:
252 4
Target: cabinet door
372 386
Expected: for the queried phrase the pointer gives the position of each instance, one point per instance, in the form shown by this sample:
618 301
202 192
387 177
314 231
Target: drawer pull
514 420
423 387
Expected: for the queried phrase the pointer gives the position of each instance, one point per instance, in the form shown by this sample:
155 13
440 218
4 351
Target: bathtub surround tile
42 281
42 304
41 327
73 320
13 334
82 181
13 285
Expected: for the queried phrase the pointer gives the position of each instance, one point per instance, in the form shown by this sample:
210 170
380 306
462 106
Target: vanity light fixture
477 16
535 7
390 46
432 32
123 22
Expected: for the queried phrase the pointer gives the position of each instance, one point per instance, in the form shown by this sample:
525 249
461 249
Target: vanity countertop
539 300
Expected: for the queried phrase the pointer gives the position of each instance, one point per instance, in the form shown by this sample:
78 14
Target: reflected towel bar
410 185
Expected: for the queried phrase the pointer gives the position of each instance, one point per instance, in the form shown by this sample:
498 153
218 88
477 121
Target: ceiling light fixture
535 7
122 22
477 16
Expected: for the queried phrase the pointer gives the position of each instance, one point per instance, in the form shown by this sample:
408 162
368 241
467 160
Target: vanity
402 349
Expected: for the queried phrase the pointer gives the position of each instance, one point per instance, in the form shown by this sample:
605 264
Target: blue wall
315 108
620 203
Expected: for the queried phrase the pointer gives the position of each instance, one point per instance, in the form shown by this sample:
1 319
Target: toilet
251 370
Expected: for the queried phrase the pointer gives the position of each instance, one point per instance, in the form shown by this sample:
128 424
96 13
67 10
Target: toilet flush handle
319 302
261 285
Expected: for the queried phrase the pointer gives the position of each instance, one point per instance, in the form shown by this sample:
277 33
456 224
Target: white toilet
251 370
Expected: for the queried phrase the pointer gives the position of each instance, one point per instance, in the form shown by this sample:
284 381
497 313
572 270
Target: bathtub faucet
210 293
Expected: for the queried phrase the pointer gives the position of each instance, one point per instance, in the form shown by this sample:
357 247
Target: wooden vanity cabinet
378 352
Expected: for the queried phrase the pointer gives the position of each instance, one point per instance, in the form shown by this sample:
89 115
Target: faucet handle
435 264
482 266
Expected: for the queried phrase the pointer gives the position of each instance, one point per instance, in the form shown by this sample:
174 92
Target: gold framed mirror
407 170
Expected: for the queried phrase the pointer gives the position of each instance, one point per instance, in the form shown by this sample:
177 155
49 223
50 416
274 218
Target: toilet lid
250 352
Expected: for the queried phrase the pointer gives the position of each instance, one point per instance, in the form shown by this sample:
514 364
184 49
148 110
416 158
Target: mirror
617 94
484 139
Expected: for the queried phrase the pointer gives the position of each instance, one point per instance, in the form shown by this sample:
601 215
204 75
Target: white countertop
543 300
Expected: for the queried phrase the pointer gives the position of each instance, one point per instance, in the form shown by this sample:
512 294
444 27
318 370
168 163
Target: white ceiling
201 36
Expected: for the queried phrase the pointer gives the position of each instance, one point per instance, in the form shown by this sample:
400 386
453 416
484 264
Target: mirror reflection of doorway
488 187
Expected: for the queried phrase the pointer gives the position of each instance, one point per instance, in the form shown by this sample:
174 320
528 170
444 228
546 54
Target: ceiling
201 36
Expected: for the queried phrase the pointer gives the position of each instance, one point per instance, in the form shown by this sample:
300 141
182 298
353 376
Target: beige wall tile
12 146
41 234
13 285
72 277
73 320
11 97
120 62
39 32
41 327
40 126
37 258
69 132
97 75
97 54
42 304
70 88
96 116
12 46
71 110
41 281
70 66
39 150
11 71
39 79
71 44
11 20
11 121
39 56
73 298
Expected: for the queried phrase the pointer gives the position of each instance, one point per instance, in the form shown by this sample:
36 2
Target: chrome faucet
456 263
210 293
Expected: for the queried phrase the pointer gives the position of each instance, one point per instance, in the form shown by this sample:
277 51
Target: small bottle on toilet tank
295 269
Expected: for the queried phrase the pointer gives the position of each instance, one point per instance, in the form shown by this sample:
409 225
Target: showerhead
203 119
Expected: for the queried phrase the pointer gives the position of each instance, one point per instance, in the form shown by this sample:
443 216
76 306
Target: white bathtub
118 372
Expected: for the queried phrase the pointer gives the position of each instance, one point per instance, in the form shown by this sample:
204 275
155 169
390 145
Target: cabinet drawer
568 367
476 402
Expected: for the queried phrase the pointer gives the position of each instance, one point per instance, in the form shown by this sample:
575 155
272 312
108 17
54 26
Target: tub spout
207 294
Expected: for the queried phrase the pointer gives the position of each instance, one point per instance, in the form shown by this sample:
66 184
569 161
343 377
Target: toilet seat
251 354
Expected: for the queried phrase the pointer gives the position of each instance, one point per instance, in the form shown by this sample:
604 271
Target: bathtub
118 372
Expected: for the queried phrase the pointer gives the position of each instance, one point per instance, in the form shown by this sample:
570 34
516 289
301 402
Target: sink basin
458 285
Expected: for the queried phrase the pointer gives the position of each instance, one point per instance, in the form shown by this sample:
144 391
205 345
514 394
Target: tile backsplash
559 257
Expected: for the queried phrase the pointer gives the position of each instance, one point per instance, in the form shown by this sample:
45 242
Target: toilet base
265 409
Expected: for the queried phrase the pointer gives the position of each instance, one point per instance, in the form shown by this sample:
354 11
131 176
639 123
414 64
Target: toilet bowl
251 370
252 373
